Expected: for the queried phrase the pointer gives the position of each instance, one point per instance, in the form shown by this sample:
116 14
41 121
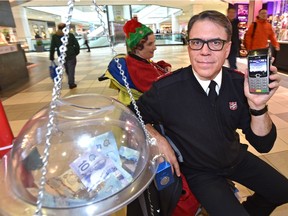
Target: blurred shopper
235 41
73 50
86 41
37 36
259 32
201 107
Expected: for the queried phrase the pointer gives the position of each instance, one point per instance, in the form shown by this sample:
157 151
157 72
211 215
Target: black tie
212 92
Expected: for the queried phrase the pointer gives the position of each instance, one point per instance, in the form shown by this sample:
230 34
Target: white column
175 26
158 26
22 26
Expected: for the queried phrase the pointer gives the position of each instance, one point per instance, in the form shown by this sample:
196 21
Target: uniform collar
205 83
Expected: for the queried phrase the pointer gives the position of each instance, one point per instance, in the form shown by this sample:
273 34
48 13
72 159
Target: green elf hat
135 31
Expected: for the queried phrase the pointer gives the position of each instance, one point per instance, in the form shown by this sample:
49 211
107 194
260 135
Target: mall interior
26 86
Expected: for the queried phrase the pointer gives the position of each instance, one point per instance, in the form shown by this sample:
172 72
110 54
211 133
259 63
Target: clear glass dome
99 153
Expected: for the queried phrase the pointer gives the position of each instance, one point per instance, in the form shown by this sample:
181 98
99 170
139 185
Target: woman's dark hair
213 16
140 45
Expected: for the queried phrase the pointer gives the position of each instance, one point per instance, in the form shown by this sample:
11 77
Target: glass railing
101 41
169 39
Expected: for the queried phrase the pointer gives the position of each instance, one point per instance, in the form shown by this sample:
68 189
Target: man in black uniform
202 119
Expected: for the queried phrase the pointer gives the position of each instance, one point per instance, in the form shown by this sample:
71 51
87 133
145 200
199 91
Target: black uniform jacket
205 135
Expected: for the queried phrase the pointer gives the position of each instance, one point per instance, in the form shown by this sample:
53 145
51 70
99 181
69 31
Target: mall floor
20 104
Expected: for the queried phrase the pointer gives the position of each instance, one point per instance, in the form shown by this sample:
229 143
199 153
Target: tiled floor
20 104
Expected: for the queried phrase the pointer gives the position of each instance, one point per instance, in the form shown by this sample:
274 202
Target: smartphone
259 71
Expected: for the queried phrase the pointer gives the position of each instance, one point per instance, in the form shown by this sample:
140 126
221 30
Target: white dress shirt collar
205 83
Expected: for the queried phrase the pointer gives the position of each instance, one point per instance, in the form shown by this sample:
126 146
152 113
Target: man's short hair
231 8
61 26
262 10
213 16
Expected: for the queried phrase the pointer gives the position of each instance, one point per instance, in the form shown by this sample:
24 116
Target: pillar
175 26
22 26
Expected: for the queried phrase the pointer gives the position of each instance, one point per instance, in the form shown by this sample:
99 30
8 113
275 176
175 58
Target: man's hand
165 149
261 125
259 101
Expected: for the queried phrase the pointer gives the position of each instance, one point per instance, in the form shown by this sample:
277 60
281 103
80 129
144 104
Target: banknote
106 144
129 166
94 169
111 186
129 158
129 153
87 162
68 185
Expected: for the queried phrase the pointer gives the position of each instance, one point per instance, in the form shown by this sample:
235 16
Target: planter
39 48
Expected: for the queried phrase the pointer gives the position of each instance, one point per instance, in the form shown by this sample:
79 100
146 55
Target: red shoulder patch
239 72
164 75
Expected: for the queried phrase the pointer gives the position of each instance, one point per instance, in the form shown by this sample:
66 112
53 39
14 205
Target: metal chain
55 96
57 93
152 141
150 202
98 9
124 78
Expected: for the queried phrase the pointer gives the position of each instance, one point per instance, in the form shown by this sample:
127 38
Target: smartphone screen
258 67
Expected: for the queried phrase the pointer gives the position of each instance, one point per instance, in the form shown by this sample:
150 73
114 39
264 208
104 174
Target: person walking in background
73 49
259 32
235 41
86 41
37 36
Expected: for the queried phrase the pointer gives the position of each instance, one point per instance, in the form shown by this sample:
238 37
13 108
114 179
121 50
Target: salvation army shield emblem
233 105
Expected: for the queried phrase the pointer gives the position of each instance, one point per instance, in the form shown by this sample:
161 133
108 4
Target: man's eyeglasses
213 44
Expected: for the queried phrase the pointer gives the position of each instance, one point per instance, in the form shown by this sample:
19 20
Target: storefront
13 70
279 21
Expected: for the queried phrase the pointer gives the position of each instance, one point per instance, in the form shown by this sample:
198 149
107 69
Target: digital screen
258 65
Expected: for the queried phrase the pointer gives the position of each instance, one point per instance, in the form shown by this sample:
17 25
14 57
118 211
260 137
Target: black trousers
70 66
214 193
87 45
232 59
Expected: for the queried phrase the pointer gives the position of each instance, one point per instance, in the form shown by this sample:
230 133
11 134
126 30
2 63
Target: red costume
143 72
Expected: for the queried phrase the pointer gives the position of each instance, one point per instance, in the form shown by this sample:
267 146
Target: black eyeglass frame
207 42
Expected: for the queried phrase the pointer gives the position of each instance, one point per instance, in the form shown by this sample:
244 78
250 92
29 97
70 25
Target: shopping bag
52 70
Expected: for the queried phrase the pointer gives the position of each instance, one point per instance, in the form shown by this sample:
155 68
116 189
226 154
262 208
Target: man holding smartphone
201 107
